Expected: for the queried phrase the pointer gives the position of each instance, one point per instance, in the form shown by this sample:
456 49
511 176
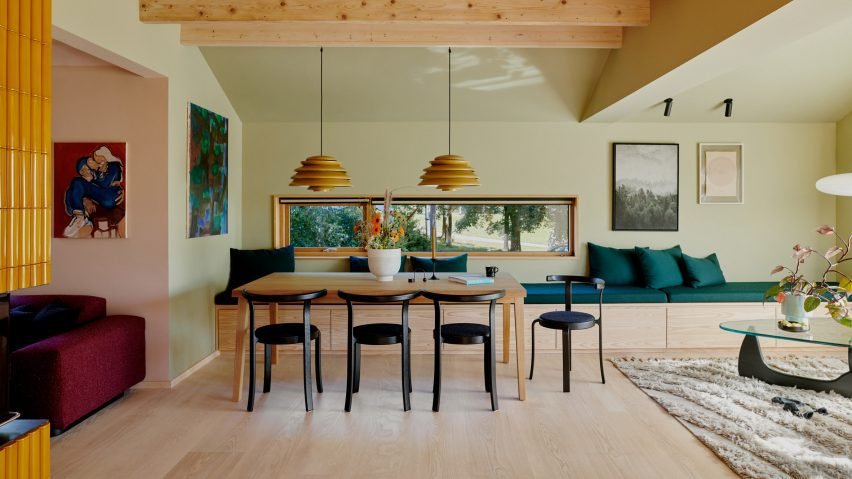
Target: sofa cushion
660 268
456 264
554 293
701 272
31 325
618 267
89 307
248 265
739 292
358 264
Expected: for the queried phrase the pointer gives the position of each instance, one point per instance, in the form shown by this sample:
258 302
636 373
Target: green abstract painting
207 202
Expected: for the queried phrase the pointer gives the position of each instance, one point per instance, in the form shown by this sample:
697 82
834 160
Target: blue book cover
471 279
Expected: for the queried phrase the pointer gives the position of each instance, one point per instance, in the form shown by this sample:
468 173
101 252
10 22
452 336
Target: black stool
377 334
465 333
567 321
284 333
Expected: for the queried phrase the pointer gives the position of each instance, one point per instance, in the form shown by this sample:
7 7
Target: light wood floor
194 430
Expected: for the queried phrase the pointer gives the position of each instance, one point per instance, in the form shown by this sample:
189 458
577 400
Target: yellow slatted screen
25 146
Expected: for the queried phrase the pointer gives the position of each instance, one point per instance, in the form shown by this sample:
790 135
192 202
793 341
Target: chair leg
318 360
493 373
406 372
600 351
566 361
252 371
487 366
306 373
410 383
349 374
532 355
267 367
357 384
436 386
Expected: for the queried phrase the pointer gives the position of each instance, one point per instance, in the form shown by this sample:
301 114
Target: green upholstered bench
736 292
554 293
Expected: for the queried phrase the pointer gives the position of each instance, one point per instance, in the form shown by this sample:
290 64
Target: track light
668 110
729 107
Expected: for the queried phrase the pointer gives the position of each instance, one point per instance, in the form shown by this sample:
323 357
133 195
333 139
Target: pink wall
111 105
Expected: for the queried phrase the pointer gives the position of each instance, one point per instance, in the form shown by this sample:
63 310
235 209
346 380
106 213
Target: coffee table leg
752 364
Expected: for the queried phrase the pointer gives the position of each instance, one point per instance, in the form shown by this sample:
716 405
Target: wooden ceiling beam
359 34
505 12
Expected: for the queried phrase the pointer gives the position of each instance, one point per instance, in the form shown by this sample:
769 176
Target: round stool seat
564 320
465 333
378 333
284 333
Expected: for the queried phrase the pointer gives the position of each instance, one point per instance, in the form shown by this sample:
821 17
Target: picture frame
645 186
720 173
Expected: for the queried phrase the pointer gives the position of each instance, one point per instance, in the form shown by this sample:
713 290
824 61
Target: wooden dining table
366 283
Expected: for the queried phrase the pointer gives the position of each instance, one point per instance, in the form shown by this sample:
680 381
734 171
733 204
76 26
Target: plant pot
384 263
793 309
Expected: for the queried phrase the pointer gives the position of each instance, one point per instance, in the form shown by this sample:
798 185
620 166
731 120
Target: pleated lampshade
321 173
449 173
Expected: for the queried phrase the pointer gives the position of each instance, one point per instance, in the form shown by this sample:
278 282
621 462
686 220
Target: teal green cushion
741 292
359 264
456 264
618 267
702 272
554 293
660 268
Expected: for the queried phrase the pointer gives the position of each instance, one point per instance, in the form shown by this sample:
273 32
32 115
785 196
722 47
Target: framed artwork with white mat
720 173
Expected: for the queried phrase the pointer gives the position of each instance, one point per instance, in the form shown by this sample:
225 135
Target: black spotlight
729 107
668 110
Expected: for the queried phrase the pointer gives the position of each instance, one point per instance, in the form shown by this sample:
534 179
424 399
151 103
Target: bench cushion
249 265
554 293
456 264
741 292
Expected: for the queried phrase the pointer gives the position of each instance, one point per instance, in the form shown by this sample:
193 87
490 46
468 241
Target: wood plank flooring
607 431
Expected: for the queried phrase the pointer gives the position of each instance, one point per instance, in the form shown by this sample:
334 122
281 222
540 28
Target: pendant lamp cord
321 98
450 101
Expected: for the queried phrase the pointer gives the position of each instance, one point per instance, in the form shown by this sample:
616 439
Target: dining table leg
241 326
273 319
520 348
507 331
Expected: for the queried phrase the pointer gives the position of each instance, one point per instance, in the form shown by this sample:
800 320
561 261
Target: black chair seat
284 333
378 333
465 333
563 320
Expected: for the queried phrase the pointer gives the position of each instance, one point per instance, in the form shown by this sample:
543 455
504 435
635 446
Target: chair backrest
465 298
570 280
377 298
283 298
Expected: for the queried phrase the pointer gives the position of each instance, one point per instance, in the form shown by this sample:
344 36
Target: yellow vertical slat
14 12
26 17
12 461
3 46
4 188
37 23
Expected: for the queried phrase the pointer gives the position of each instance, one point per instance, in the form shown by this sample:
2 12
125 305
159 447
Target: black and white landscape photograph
645 187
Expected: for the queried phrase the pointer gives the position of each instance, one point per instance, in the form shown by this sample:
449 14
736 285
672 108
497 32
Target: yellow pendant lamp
322 172
449 172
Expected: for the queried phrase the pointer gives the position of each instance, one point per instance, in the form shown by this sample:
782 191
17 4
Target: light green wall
844 165
197 267
782 162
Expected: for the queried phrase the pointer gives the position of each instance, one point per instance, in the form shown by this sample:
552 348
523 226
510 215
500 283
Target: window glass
324 226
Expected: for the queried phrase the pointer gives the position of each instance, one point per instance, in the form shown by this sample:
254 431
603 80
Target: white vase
384 263
793 308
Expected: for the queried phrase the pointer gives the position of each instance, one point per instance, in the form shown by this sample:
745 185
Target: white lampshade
840 185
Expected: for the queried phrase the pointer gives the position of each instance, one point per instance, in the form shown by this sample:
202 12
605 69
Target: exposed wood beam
360 34
517 12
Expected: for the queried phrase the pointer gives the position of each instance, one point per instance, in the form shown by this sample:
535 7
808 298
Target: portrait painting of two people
89 190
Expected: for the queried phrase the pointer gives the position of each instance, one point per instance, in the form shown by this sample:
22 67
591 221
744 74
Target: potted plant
798 296
382 236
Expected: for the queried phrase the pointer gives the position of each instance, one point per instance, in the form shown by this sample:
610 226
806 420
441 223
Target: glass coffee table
824 331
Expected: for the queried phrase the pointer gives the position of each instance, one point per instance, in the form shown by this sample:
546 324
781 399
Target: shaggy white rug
736 418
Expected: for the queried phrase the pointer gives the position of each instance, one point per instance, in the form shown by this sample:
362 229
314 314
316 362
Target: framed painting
90 190
207 173
645 186
720 173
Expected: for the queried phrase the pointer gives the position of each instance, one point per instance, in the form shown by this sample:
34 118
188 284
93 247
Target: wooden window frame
281 221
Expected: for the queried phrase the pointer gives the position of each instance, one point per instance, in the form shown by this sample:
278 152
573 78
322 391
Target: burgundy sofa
66 377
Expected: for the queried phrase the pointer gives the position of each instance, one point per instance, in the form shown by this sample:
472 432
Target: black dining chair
377 334
284 333
465 333
567 321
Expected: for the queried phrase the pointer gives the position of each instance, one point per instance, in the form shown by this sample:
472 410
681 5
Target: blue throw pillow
30 326
359 264
456 264
702 272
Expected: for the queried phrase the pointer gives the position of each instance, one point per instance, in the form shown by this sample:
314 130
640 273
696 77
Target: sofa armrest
67 376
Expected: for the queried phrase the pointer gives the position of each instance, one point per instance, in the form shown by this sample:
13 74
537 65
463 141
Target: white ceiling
406 84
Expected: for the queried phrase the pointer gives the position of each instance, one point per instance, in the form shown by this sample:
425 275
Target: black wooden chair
378 334
284 333
567 321
465 333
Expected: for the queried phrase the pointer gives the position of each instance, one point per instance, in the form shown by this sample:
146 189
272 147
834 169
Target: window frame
281 221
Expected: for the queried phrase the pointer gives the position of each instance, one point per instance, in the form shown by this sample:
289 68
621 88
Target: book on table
469 279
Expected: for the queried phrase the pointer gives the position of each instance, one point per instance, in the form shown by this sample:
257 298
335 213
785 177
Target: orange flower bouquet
382 231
